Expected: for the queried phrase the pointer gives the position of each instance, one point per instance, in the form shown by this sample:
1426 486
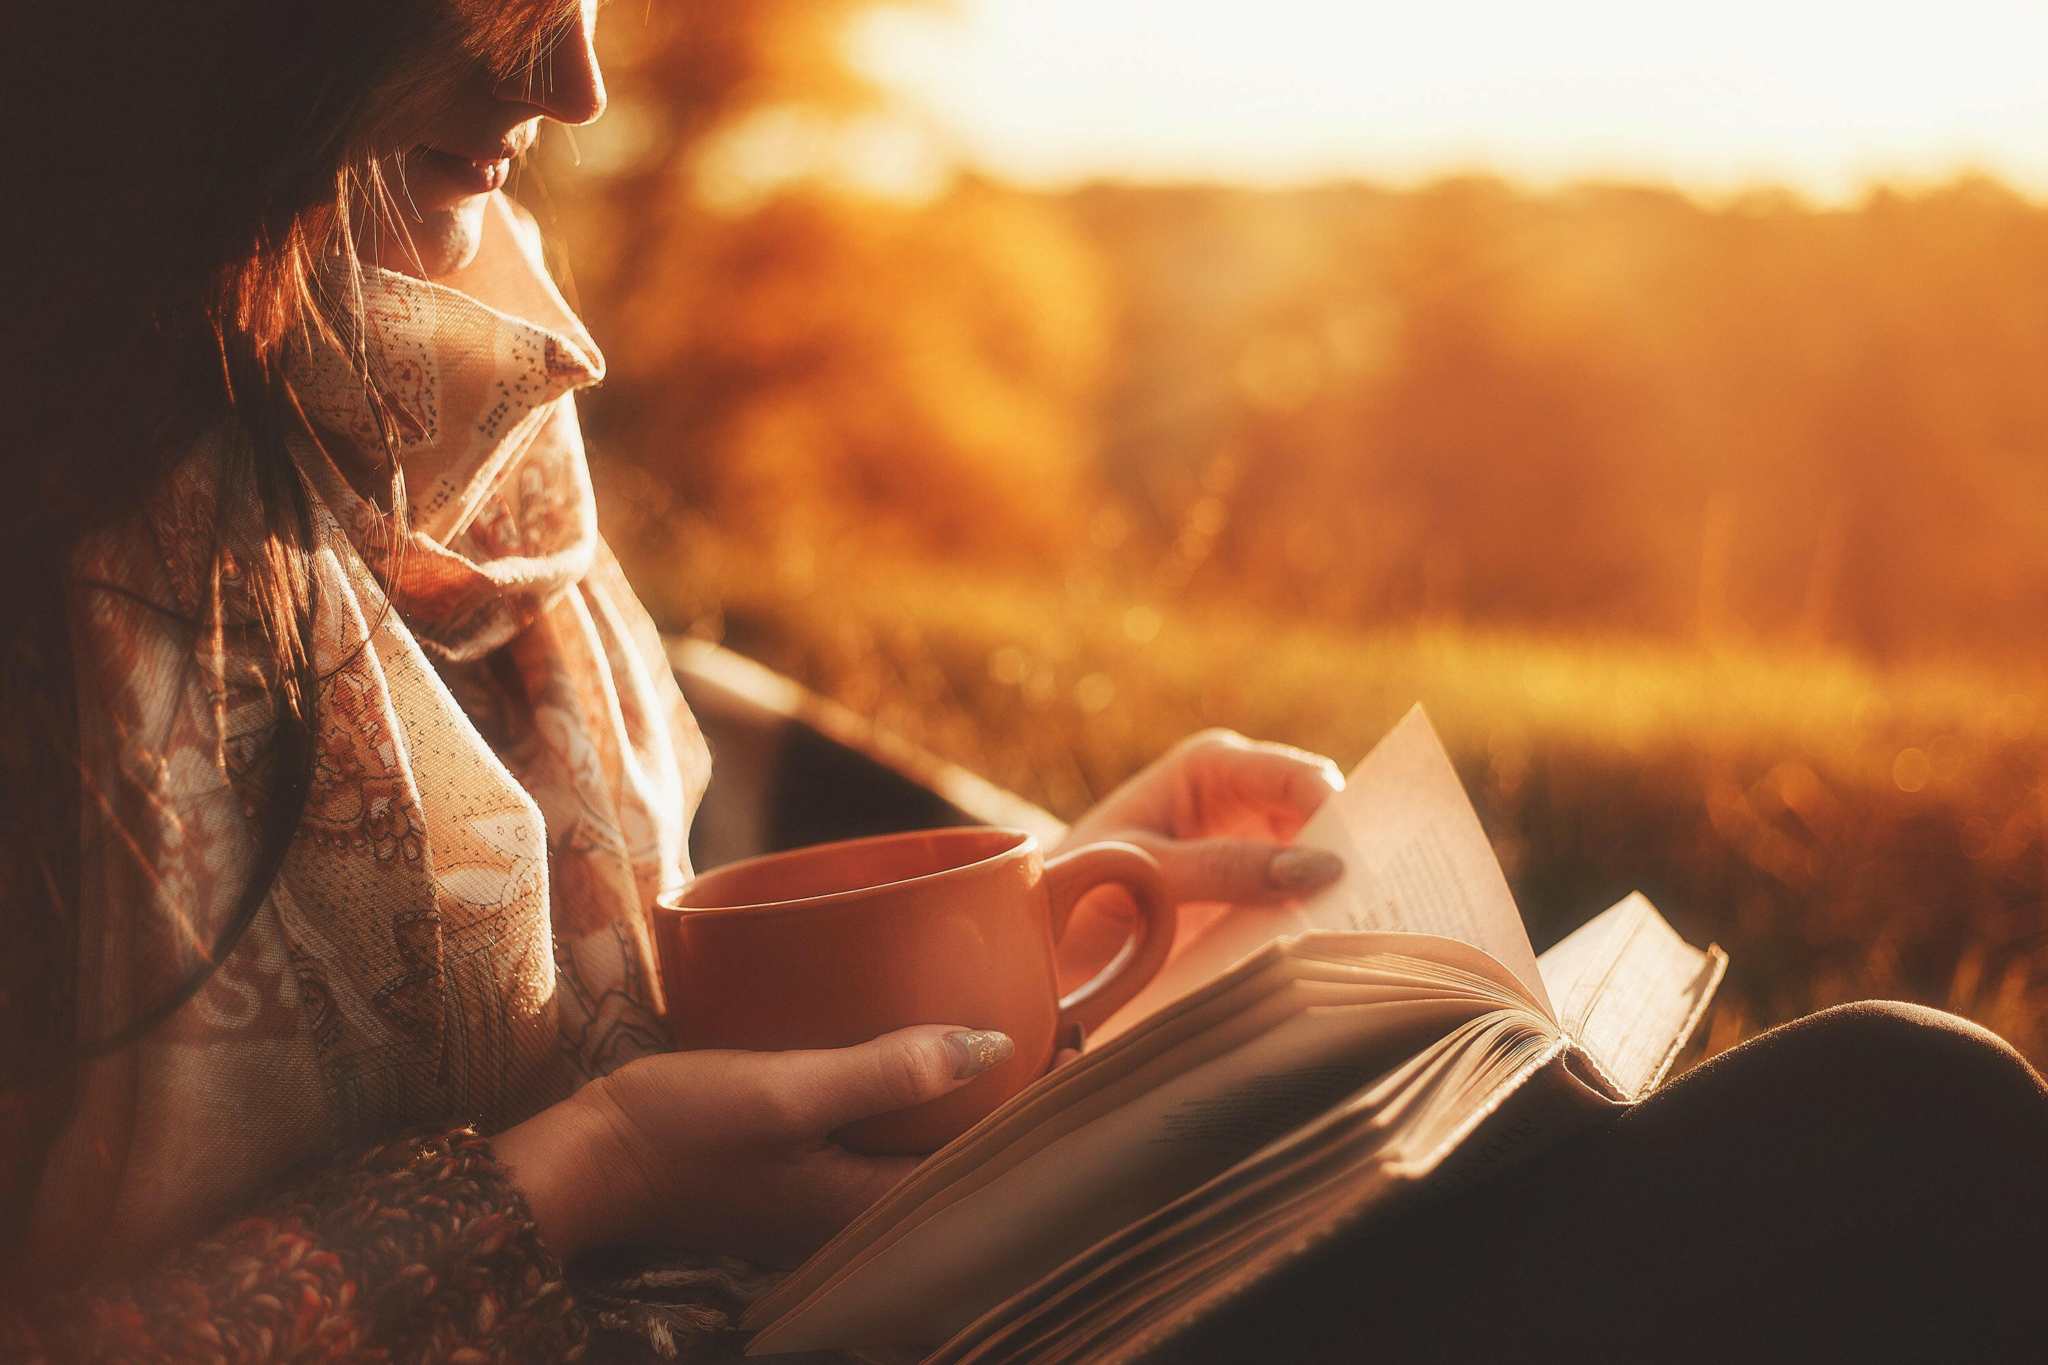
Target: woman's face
443 166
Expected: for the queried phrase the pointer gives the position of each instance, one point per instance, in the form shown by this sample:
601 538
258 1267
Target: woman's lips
468 174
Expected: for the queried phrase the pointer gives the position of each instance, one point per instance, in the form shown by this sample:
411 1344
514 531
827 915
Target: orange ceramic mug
832 945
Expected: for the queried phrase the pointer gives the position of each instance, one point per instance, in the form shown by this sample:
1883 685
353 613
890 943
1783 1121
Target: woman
334 1036
379 759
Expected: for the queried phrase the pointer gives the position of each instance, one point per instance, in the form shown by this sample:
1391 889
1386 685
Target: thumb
1240 871
895 1071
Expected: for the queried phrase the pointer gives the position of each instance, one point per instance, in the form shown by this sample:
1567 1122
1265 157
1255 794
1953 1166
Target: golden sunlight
1819 95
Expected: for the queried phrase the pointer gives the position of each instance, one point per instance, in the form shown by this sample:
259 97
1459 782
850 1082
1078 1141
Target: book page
1228 1203
1415 859
1207 1245
1630 991
934 1276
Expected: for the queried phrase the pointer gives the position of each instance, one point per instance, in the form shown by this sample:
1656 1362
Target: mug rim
1022 841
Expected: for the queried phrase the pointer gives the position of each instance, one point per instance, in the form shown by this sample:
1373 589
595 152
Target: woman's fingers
1229 777
1216 784
1239 871
830 1088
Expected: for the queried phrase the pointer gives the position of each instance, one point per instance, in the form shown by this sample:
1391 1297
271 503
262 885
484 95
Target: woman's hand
730 1151
1217 811
1213 811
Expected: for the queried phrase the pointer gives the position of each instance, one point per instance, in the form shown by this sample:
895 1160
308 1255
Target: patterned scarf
505 773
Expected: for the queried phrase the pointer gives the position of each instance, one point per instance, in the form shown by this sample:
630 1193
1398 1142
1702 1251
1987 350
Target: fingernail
1304 869
976 1050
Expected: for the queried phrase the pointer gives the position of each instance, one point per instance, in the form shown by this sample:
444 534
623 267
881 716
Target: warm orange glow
1713 530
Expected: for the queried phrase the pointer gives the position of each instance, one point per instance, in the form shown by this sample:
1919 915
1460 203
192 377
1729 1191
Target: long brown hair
198 175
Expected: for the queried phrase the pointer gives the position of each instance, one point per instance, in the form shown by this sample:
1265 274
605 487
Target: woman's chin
440 241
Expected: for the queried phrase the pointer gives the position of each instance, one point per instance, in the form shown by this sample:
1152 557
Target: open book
1286 1077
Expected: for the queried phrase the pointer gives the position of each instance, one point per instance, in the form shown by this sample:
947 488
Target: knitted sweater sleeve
418 1249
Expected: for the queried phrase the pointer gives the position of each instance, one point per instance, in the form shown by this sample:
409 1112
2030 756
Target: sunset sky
1821 96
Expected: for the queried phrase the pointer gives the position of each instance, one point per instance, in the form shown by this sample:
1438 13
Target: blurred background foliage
1712 533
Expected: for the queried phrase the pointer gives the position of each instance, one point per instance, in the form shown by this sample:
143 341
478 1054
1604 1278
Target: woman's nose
566 84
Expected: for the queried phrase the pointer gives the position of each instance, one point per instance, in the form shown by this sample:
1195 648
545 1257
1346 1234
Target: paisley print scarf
504 777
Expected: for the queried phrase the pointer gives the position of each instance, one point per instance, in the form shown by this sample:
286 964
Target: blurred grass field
1844 831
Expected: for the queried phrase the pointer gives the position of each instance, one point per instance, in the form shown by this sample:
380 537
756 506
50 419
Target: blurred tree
1608 409
807 342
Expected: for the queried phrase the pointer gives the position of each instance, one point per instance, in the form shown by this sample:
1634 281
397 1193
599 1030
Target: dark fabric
1869 1183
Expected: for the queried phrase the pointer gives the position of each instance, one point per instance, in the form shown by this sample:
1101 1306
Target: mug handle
1072 876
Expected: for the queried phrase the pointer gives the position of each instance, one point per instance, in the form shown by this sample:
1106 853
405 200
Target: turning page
1415 859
